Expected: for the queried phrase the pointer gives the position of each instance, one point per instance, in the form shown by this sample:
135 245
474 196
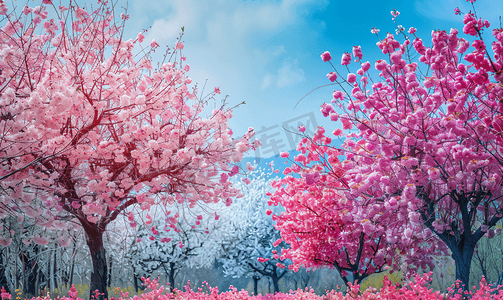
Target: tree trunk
98 282
72 267
463 263
275 280
255 284
135 280
51 271
31 278
109 280
3 278
462 252
48 278
54 283
172 270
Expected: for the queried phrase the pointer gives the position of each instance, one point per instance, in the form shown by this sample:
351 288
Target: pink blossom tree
323 227
427 136
100 127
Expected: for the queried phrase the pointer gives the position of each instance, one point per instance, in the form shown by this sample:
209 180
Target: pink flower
223 178
4 294
47 1
80 13
325 56
187 68
3 9
180 244
268 212
327 109
337 132
338 95
179 45
302 128
27 10
351 78
140 37
332 76
261 259
395 13
234 171
374 30
457 11
357 52
73 292
217 90
312 178
249 166
284 154
346 59
154 44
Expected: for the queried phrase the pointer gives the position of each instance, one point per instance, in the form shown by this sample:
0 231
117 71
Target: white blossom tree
168 244
255 249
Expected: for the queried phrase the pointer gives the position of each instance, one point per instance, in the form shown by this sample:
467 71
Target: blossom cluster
417 289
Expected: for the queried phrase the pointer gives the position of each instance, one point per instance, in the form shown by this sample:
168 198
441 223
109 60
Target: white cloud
280 50
181 14
289 73
232 44
267 81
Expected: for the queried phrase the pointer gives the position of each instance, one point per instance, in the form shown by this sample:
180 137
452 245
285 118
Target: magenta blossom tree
101 128
427 136
323 227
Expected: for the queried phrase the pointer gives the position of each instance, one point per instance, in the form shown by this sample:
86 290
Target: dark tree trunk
275 280
40 281
99 274
463 261
3 279
109 280
31 277
55 269
72 267
171 276
460 239
135 281
255 284
48 278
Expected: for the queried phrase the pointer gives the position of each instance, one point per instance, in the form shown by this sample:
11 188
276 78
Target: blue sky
267 52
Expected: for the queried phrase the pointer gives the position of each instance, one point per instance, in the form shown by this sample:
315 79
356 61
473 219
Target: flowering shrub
417 289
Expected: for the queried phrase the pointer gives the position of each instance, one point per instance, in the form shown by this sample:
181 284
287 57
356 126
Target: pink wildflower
332 76
325 56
